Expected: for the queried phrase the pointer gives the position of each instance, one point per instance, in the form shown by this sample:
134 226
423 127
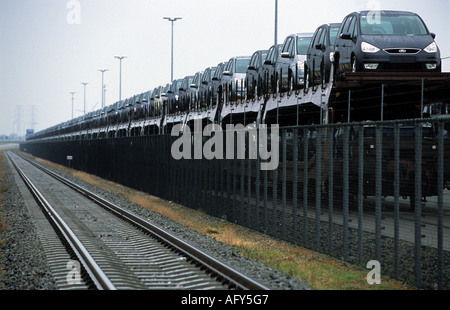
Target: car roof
385 12
302 34
331 25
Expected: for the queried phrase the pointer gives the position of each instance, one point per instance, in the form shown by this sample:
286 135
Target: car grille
402 50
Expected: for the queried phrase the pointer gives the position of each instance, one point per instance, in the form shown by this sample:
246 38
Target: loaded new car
173 96
387 41
216 84
234 77
320 54
254 74
291 62
192 92
184 101
268 69
205 93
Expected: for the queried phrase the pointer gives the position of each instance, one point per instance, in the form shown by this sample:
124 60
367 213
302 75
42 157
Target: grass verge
320 271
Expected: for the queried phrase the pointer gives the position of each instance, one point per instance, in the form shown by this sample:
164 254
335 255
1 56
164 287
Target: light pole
120 78
84 83
172 20
73 93
276 22
103 86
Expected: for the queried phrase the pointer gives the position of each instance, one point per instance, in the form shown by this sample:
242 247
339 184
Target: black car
320 54
268 69
387 41
254 74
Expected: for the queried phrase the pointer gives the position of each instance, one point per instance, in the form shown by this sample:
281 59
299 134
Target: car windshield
393 25
303 44
241 65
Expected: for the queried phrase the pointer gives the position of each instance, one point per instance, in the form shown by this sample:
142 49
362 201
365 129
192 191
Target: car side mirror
320 47
193 86
433 35
227 73
285 55
346 36
251 68
267 62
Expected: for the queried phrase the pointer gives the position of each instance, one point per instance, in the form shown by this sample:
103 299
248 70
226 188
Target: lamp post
120 77
103 86
84 83
172 20
73 93
276 22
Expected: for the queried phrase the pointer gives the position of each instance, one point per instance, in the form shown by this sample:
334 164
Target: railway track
103 246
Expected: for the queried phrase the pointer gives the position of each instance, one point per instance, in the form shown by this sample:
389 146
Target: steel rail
99 278
220 269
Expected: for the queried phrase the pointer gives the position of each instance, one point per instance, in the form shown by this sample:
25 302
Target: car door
318 53
251 73
342 43
349 44
311 53
284 62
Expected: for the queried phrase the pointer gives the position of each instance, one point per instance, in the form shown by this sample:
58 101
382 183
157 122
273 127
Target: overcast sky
47 49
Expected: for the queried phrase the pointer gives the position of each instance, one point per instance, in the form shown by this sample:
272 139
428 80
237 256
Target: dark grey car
205 91
387 41
216 84
173 96
291 62
192 92
254 76
268 69
234 77
184 99
320 55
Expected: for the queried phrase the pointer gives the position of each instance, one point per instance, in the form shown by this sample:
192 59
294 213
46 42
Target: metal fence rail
359 191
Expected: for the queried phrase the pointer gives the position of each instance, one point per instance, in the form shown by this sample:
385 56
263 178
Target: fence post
440 186
418 207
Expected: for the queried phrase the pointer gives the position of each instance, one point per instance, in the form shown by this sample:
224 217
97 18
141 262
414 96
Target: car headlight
301 65
368 48
432 48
